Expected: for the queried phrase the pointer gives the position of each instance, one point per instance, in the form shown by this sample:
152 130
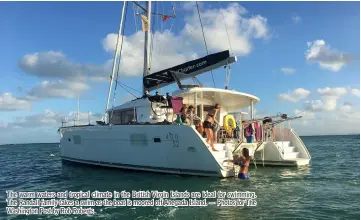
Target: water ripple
328 189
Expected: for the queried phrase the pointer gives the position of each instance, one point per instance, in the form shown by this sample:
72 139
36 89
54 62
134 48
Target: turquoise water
328 189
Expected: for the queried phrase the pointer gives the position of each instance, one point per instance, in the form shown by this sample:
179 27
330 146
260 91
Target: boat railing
76 121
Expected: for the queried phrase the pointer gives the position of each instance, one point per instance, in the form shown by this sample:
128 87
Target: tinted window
128 116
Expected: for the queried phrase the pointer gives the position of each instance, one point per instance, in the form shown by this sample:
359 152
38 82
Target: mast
147 42
115 58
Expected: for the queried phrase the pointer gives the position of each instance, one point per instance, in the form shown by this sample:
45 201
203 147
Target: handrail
236 148
299 139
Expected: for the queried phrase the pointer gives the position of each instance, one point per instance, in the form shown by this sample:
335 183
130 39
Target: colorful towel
259 133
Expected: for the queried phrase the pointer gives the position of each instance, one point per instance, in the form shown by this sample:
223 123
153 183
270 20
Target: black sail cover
189 69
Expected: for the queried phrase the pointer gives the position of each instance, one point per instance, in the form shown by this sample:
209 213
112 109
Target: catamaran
142 134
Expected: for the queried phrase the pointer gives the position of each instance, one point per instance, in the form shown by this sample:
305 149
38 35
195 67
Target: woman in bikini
209 123
243 162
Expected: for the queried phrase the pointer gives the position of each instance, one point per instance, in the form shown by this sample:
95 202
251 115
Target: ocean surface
328 189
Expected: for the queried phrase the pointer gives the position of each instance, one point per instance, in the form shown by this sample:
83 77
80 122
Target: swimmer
243 162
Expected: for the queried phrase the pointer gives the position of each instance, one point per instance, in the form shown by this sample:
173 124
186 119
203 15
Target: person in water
243 162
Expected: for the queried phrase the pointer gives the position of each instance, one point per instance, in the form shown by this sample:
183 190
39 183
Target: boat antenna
115 59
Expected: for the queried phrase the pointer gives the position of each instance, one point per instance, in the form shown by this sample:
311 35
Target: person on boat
216 126
182 117
243 162
209 125
191 114
248 132
195 119
270 128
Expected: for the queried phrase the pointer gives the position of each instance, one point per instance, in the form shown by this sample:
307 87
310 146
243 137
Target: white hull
288 150
173 149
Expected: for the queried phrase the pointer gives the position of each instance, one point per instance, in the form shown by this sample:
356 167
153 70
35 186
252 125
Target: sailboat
143 134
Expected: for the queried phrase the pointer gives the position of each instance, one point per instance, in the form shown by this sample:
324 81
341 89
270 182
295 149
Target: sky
299 58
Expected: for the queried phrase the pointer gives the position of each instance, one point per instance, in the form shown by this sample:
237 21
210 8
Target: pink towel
177 104
259 133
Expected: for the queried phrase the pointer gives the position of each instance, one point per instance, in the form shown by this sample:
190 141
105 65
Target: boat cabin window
123 116
128 116
116 117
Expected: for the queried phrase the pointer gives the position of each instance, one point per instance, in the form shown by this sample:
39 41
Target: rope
128 91
229 41
135 18
170 30
161 24
204 38
120 55
127 86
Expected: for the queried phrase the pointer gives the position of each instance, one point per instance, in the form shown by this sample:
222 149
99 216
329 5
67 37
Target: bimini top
229 99
186 70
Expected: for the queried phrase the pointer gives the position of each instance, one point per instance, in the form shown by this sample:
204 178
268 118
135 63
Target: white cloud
305 114
325 56
84 118
327 104
170 49
295 96
58 89
329 96
46 118
333 92
165 52
8 102
329 124
296 19
54 64
288 70
240 29
355 92
346 108
49 118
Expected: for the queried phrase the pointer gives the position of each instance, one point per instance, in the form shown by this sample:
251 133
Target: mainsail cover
189 69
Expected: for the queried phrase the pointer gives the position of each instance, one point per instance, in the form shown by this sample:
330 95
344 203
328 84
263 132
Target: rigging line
204 38
128 91
170 30
114 62
135 18
120 55
127 86
161 24
229 41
